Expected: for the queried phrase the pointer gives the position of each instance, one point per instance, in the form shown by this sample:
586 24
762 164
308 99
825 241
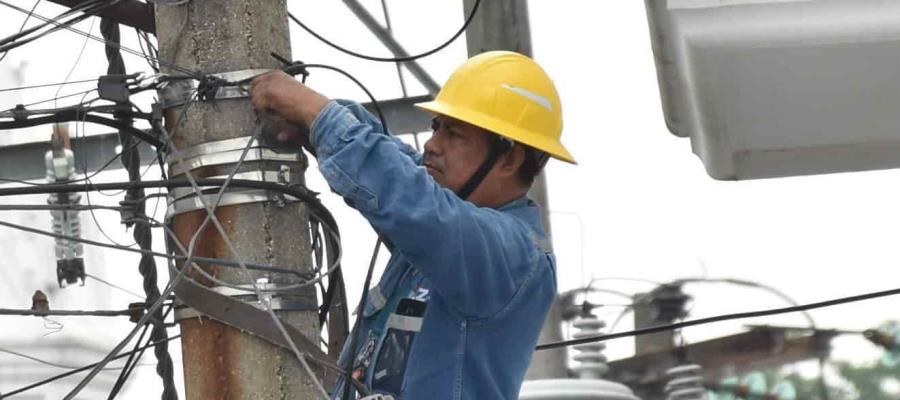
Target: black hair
534 163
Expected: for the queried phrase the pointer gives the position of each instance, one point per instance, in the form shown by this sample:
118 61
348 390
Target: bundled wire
80 370
68 26
131 160
74 15
27 17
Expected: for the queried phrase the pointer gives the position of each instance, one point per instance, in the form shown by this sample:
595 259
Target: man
458 310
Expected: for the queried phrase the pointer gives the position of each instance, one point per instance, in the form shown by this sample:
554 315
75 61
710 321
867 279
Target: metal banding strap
296 302
177 92
228 199
246 317
229 151
232 156
218 146
261 176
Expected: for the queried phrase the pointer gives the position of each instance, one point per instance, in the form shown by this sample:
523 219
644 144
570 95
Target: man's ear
512 160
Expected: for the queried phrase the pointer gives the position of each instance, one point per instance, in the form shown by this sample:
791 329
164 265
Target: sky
639 203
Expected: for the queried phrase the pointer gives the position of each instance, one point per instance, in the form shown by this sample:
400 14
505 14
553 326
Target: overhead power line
719 318
390 59
79 370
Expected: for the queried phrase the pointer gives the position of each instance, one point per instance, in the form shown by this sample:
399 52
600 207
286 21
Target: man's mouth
432 168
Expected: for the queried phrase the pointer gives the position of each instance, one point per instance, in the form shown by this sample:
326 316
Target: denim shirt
459 308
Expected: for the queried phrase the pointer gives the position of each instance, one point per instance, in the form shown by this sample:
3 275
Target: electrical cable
73 372
205 260
66 313
41 361
10 43
298 68
741 282
126 371
112 285
74 65
171 65
13 89
391 59
135 358
87 178
23 33
54 207
27 17
360 311
142 40
76 114
9 110
719 318
173 282
131 160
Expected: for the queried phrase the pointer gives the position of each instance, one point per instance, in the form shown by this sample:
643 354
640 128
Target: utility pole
503 25
224 36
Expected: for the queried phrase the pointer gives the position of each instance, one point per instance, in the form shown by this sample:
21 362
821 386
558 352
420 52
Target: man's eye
435 124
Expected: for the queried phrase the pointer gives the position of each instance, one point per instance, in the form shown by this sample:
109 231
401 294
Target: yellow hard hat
508 94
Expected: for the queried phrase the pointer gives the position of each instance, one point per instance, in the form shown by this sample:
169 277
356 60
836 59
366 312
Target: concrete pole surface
220 362
503 25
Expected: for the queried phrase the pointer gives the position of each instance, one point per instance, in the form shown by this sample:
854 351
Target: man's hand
282 95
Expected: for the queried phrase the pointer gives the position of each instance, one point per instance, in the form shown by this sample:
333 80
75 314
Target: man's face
455 151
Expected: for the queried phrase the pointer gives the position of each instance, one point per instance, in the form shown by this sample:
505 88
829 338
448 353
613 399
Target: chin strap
499 146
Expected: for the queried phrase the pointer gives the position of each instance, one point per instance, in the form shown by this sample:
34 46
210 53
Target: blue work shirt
458 310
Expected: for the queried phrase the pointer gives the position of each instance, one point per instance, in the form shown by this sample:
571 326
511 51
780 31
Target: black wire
142 39
77 114
85 179
391 59
46 85
27 17
76 371
360 311
125 372
719 318
66 313
133 360
298 68
171 65
315 206
57 27
52 99
131 160
47 21
206 260
46 207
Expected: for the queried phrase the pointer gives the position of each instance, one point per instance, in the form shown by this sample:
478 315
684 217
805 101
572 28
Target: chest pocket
393 353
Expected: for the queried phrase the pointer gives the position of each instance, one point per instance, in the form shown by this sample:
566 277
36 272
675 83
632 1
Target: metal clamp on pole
273 165
174 93
247 317
276 299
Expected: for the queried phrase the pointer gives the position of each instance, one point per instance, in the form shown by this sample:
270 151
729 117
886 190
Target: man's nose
431 145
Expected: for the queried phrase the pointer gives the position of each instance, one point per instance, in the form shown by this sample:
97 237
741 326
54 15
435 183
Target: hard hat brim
552 147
